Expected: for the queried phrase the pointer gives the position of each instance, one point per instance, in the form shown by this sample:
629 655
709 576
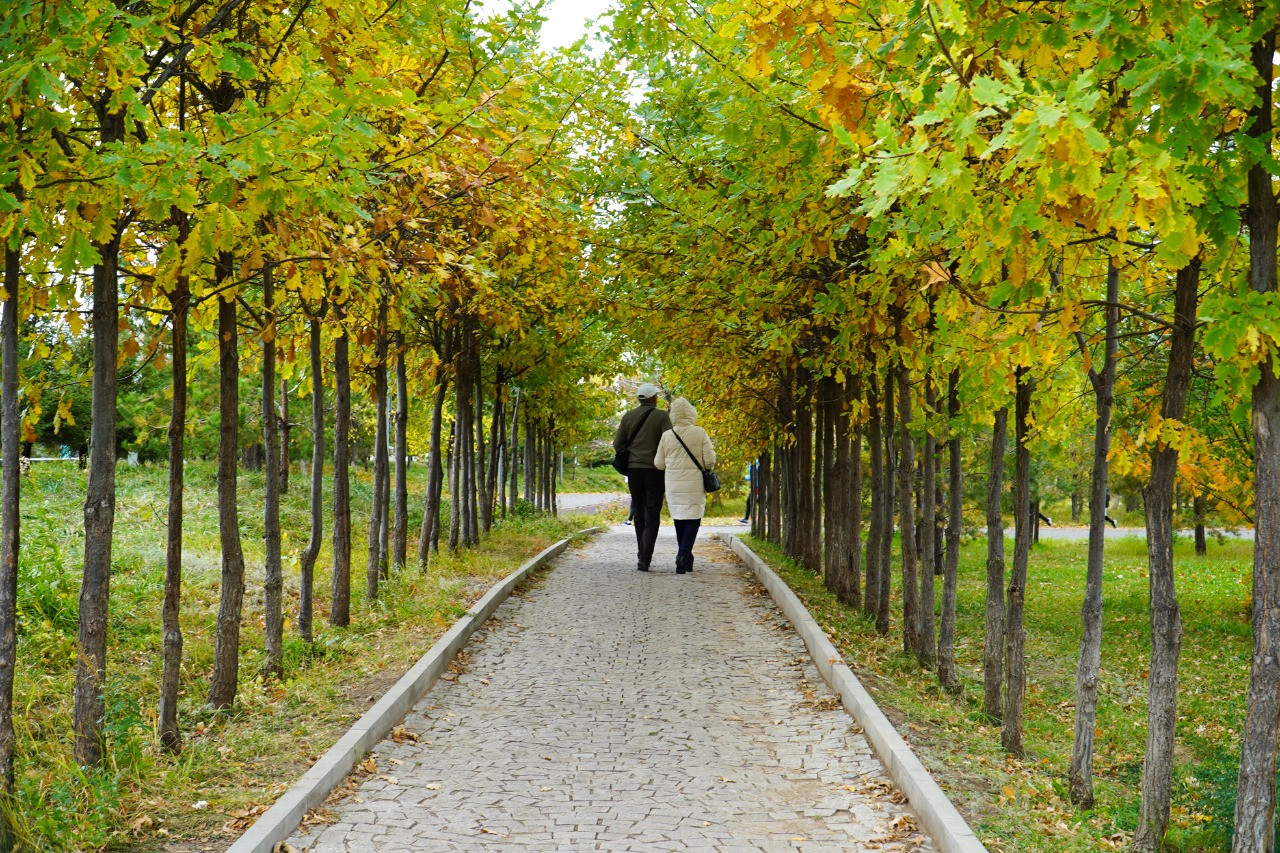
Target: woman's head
683 413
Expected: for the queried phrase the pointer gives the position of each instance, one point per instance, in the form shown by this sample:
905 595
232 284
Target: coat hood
682 413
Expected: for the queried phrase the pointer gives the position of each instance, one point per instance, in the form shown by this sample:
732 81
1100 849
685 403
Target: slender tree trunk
497 449
1197 506
907 519
875 527
273 570
1256 785
171 627
10 494
513 457
429 537
226 656
1166 618
285 430
927 651
1015 635
455 476
947 675
100 499
340 607
312 551
852 451
773 495
400 538
887 505
530 467
375 568
1080 775
832 519
482 467
993 620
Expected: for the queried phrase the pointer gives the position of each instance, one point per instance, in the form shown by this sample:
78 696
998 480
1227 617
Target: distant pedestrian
746 515
682 453
638 434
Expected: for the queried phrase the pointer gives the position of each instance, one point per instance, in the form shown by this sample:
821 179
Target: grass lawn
236 762
1021 805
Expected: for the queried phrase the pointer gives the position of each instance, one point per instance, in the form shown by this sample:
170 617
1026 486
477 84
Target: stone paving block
624 711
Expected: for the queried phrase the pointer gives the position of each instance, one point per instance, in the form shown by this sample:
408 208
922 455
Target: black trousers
647 486
686 533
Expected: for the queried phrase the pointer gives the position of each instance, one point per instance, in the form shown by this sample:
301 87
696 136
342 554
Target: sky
566 19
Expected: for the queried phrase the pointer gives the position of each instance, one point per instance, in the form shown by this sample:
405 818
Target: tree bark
947 675
832 521
429 537
1197 507
887 505
285 429
312 551
1256 785
10 494
100 499
273 570
907 518
376 567
1166 618
400 537
226 655
1015 636
875 441
927 651
455 476
340 606
1080 775
170 626
993 620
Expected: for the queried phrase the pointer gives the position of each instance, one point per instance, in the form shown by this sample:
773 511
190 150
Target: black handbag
710 481
622 458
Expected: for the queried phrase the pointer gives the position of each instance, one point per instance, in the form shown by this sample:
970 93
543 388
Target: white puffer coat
685 498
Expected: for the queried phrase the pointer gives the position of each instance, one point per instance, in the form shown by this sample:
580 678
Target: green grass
1021 805
599 478
234 763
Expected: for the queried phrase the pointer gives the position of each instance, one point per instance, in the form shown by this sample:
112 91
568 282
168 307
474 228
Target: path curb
937 813
286 814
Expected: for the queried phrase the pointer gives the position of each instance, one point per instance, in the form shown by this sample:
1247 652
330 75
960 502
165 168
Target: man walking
638 433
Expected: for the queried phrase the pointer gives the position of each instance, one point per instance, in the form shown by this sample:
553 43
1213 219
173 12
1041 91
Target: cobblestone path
610 709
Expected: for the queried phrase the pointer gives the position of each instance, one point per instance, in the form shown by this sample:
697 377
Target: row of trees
364 198
918 228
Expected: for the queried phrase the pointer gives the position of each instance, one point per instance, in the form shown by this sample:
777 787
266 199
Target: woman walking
683 452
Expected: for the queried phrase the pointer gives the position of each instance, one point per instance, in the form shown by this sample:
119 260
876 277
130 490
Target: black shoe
642 565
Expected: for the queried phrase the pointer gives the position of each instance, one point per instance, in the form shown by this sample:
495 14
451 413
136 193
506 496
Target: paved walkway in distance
610 709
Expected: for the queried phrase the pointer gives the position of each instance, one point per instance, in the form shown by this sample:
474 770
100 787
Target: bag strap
687 450
636 431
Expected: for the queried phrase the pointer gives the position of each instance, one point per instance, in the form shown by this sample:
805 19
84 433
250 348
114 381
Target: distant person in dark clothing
639 433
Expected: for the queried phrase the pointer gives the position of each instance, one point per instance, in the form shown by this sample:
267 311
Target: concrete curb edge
949 830
278 822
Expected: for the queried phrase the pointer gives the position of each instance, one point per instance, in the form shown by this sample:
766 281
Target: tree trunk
429 537
993 620
273 571
10 494
1256 785
513 457
773 495
400 538
887 504
832 522
927 650
171 627
1197 506
947 675
340 607
871 601
100 499
376 567
226 655
1015 636
312 551
285 430
1080 775
907 519
530 467
1166 619
482 467
455 476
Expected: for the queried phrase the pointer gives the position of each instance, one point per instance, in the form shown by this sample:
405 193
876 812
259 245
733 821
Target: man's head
647 394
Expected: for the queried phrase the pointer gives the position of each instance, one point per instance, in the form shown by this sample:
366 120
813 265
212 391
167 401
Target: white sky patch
567 20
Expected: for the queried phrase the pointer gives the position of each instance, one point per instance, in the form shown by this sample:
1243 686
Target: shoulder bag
710 482
622 458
